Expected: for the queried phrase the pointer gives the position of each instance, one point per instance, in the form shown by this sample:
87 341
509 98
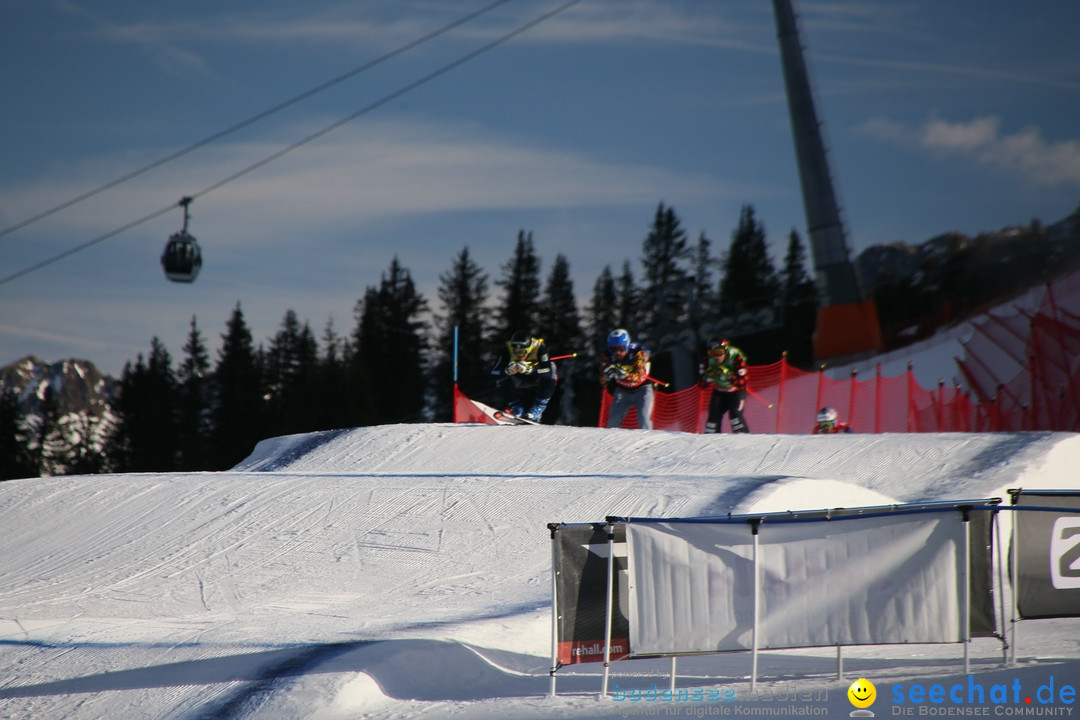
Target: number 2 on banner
1065 553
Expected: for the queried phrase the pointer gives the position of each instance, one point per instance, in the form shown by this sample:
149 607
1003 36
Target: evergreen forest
204 410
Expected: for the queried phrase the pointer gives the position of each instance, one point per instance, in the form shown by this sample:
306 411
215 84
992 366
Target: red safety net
1022 371
1021 368
784 399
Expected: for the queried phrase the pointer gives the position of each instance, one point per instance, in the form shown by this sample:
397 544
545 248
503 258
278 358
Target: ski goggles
617 348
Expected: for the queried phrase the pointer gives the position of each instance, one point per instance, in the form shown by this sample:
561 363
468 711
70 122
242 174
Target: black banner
581 566
1048 553
981 580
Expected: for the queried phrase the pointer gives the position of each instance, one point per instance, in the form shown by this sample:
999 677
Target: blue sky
939 116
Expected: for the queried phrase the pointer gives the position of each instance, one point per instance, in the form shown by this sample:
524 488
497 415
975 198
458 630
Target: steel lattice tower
847 322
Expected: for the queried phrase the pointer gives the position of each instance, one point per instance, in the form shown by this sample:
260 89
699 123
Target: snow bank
403 570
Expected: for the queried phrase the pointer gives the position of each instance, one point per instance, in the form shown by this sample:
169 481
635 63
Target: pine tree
391 337
704 295
462 298
16 461
280 372
48 446
146 437
194 422
630 314
749 279
520 282
289 377
238 406
334 395
799 304
84 454
665 296
560 326
559 322
602 314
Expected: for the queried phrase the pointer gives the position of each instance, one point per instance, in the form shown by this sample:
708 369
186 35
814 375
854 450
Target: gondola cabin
181 258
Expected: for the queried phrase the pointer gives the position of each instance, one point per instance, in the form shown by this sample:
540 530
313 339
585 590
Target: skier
525 362
624 371
828 423
724 368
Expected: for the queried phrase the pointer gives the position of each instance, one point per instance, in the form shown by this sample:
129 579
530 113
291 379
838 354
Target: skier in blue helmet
624 372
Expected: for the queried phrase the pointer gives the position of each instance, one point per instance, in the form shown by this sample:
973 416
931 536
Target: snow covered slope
404 571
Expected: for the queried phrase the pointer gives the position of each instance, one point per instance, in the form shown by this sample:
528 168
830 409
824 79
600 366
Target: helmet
520 340
827 416
618 338
718 347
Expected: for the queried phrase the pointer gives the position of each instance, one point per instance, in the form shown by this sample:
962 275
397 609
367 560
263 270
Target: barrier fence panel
869 576
886 579
860 576
1047 560
580 557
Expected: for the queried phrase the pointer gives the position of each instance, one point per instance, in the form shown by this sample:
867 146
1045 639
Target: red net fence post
878 405
995 412
852 391
820 387
857 408
780 391
1065 329
763 396
909 405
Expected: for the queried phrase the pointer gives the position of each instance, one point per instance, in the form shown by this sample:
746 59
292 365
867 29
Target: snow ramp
901 467
124 595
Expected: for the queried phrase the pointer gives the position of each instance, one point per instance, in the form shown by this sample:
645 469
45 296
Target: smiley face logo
862 693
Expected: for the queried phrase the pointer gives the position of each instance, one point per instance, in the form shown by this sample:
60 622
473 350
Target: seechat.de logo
1065 553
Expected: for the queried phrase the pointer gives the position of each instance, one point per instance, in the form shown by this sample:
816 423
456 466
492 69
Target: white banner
858 581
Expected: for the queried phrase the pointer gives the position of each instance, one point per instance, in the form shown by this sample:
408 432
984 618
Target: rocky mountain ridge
78 387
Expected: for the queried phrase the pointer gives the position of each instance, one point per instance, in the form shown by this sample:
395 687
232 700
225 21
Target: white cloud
154 39
1025 154
360 176
617 21
960 137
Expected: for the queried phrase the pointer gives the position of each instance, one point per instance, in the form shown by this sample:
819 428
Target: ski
512 419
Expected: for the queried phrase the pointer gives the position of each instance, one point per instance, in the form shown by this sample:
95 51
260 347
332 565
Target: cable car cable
251 120
314 136
386 99
89 243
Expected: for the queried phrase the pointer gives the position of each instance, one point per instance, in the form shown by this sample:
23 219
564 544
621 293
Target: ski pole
661 383
757 397
563 357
